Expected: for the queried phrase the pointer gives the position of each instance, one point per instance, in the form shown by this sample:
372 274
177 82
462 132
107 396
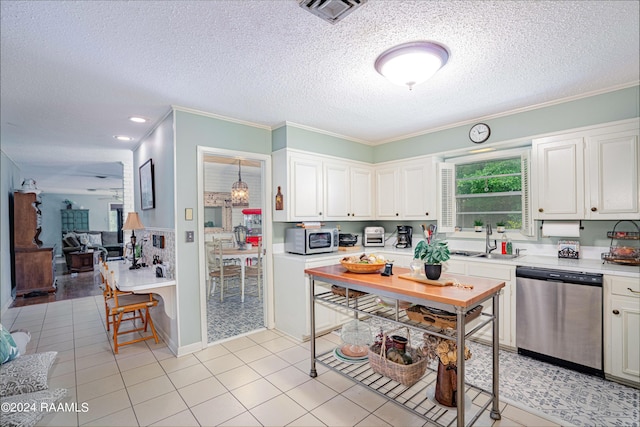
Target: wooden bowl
356 267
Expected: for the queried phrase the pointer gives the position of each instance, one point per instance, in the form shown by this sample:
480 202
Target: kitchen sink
468 253
499 256
474 254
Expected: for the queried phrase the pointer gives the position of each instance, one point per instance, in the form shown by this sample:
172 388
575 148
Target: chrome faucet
488 247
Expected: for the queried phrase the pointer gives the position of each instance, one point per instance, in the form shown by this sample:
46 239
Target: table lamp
133 223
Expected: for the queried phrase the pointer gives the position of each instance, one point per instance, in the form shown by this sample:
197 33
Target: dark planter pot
433 271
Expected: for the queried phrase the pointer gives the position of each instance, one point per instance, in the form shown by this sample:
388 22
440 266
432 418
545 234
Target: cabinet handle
348 214
319 213
632 291
353 214
397 214
593 209
616 312
540 210
426 213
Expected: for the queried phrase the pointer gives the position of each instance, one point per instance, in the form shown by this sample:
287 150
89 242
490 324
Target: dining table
244 255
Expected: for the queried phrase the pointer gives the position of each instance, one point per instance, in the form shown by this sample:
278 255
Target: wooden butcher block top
457 296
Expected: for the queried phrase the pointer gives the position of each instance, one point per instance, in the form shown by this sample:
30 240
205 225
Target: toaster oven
373 236
306 241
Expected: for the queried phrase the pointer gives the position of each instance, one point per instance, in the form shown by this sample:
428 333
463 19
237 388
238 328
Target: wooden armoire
33 265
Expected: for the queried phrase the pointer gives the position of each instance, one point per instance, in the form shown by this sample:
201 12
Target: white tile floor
257 380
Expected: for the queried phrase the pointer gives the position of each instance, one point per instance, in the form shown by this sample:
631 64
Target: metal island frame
456 299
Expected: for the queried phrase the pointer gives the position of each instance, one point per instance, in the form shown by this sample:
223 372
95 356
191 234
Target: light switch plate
189 237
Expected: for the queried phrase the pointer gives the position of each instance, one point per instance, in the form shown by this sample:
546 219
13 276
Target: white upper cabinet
300 179
558 184
388 193
407 190
348 191
316 188
418 187
587 175
613 178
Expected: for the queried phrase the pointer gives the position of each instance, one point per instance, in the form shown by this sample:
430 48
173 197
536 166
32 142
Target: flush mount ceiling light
239 191
137 119
411 63
123 138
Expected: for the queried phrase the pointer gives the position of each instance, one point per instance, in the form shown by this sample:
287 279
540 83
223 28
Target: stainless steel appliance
347 239
373 236
559 317
405 233
306 241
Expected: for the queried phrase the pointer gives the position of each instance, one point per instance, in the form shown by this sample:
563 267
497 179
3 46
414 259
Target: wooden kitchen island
454 299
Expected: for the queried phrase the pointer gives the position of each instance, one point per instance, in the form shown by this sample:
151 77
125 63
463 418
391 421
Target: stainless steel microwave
306 241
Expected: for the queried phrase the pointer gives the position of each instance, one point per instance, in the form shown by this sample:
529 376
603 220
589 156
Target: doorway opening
235 288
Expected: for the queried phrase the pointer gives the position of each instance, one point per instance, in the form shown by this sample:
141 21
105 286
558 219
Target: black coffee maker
404 236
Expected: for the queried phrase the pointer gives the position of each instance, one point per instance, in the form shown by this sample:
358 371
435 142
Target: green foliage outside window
491 191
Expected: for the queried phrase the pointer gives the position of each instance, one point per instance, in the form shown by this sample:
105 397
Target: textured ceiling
72 72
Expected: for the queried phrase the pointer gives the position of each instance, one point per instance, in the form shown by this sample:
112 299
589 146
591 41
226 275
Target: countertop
456 296
587 265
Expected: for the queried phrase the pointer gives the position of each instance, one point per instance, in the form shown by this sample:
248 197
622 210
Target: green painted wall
193 130
307 140
608 107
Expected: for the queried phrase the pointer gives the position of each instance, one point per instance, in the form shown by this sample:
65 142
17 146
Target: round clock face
479 133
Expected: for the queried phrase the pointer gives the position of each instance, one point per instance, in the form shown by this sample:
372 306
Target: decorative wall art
147 191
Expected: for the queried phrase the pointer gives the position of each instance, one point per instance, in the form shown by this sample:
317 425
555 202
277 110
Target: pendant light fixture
239 191
411 63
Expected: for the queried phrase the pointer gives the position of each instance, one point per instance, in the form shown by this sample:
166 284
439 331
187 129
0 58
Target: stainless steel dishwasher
559 317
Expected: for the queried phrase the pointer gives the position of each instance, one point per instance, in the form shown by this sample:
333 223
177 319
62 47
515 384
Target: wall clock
479 133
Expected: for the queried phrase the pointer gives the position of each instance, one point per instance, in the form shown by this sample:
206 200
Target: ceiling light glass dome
411 63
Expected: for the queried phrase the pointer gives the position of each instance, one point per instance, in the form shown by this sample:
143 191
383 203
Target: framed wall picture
147 191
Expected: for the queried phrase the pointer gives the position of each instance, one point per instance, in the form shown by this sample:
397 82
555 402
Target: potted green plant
433 254
477 225
500 226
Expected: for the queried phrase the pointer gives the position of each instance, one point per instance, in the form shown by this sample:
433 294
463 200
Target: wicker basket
440 318
406 375
339 290
356 267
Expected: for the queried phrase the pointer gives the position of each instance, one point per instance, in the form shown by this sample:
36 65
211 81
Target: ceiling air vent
331 10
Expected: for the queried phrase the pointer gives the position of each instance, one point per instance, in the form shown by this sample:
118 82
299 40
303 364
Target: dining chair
222 276
107 294
122 303
253 274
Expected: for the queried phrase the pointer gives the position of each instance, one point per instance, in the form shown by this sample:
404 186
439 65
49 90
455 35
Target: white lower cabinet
507 314
292 299
622 328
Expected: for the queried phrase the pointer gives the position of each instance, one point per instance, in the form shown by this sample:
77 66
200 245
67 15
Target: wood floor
68 287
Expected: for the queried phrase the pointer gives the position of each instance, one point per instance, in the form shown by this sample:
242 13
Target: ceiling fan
116 196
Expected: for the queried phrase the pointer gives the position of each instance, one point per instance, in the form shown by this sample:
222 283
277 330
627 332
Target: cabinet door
506 314
418 188
622 328
558 183
337 189
361 182
625 330
613 178
387 194
306 186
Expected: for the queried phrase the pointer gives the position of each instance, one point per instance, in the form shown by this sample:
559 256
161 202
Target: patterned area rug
575 398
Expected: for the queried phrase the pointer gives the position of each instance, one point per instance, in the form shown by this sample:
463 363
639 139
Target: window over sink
492 188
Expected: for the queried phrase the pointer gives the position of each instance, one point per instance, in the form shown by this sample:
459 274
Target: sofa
106 242
24 381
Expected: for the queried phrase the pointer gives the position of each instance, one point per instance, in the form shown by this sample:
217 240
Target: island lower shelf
418 398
